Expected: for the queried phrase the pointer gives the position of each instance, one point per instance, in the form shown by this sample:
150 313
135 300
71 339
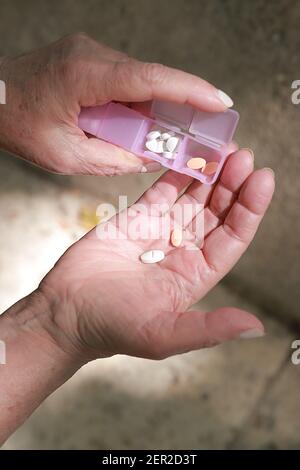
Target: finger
232 147
225 245
175 333
164 192
109 54
237 169
133 80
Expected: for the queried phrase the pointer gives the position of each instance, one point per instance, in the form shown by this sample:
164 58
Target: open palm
116 304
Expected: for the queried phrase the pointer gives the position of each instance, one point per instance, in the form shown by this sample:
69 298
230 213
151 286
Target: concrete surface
274 423
234 396
206 399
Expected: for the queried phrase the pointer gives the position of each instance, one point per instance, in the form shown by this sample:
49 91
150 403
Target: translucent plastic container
200 134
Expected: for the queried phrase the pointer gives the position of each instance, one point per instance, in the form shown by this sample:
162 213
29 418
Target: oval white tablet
153 135
152 256
152 145
165 136
160 146
172 143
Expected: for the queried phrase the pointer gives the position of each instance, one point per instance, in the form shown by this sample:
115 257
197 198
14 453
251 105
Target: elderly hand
106 301
46 89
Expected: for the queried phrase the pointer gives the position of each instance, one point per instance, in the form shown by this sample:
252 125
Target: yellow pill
176 237
196 163
210 168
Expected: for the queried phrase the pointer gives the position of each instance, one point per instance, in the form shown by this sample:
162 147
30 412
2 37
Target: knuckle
76 39
154 73
72 52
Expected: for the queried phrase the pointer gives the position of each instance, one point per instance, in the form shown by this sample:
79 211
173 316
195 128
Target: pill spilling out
196 163
152 256
210 168
176 237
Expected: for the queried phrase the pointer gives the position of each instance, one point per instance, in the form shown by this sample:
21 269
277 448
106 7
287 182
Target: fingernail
225 98
251 334
250 151
270 171
151 167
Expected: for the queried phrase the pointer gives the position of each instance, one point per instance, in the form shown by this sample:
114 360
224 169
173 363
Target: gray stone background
230 397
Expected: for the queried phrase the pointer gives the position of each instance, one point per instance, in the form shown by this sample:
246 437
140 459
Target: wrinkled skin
47 87
106 301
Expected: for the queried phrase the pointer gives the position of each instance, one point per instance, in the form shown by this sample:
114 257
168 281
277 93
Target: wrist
69 323
32 319
35 365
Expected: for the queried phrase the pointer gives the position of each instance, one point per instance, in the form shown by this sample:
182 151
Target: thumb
187 331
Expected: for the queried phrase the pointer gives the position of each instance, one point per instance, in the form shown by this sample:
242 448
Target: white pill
160 146
152 145
165 136
172 143
169 155
152 256
153 135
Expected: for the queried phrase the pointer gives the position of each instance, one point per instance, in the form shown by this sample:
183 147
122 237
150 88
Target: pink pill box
200 134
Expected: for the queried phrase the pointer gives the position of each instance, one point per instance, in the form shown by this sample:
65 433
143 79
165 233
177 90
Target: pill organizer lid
214 127
180 115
